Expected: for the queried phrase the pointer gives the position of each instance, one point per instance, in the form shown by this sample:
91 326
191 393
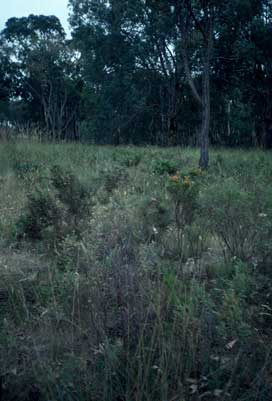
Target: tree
175 72
45 67
242 70
195 19
5 84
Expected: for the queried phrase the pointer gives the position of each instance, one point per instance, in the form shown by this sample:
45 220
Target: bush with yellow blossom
184 193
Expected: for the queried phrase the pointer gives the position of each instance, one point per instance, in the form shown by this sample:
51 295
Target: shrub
70 191
233 312
55 212
41 213
196 240
187 246
161 166
184 194
238 219
155 218
111 178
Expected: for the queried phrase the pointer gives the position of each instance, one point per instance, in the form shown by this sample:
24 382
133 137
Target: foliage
164 166
41 214
111 178
104 307
184 193
238 218
127 159
155 218
55 212
70 191
123 78
43 70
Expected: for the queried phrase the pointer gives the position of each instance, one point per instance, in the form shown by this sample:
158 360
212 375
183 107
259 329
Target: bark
268 134
188 73
173 131
205 125
202 99
206 104
228 116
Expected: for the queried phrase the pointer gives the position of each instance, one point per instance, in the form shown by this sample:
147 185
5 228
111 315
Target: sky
22 8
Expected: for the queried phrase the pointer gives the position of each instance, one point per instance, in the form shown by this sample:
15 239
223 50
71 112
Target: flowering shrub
184 193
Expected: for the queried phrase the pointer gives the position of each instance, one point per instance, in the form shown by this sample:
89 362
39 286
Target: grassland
127 274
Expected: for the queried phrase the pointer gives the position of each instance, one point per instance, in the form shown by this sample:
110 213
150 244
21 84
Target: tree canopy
178 72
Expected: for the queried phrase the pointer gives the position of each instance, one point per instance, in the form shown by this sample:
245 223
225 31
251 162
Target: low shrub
41 213
238 218
184 194
56 211
161 166
112 178
155 217
71 192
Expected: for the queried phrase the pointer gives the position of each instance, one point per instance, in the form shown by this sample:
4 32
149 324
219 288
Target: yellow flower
174 178
186 182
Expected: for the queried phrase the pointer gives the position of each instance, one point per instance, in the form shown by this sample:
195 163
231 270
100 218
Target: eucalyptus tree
6 75
130 68
158 71
113 96
241 72
119 40
45 71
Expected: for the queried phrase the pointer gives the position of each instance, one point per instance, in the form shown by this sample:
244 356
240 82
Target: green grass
149 290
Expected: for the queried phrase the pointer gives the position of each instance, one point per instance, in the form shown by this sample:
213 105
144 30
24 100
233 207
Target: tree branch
193 16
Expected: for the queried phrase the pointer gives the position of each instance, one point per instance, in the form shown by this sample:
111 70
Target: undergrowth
128 275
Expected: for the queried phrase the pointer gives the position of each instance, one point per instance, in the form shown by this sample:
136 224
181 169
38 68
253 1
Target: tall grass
118 297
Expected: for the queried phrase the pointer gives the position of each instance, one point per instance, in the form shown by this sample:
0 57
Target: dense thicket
143 71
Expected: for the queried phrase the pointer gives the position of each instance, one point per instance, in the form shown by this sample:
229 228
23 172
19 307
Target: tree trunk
173 130
187 25
206 113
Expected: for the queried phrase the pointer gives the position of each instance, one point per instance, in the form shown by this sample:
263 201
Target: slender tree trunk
228 115
205 124
173 112
206 98
204 101
187 25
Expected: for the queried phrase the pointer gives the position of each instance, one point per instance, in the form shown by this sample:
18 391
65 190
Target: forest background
142 72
